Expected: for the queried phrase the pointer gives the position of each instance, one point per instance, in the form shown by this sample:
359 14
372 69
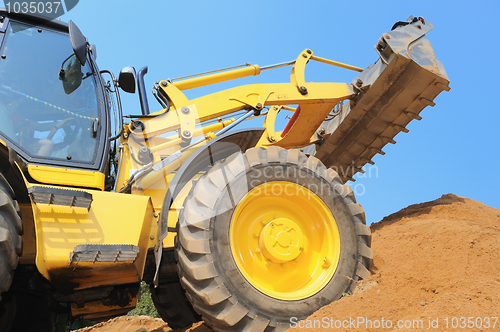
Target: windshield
48 101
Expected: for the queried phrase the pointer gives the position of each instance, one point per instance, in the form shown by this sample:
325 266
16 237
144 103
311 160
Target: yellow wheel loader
242 227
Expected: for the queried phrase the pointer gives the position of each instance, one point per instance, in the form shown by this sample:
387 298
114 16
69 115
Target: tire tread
10 234
171 301
207 293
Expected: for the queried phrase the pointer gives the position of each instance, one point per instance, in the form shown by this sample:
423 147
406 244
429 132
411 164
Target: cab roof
37 20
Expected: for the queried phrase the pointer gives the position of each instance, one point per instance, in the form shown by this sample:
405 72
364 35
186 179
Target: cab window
48 101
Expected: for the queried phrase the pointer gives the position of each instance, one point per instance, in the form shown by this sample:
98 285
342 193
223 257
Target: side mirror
71 74
126 79
78 42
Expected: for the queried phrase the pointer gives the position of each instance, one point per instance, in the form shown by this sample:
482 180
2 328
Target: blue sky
454 149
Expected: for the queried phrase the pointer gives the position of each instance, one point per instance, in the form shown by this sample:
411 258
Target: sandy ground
135 323
436 268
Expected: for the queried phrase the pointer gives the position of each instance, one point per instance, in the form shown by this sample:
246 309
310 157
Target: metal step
104 253
58 196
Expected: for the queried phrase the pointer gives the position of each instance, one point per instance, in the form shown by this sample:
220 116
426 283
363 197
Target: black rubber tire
29 302
169 297
32 314
10 249
8 310
206 267
10 234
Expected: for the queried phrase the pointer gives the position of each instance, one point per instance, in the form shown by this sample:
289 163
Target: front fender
215 150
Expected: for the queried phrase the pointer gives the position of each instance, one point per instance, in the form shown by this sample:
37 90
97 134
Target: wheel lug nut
327 262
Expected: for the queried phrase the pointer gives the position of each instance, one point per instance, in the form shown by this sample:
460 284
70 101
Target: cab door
52 108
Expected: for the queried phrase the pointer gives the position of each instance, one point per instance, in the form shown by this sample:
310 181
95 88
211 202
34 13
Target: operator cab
54 105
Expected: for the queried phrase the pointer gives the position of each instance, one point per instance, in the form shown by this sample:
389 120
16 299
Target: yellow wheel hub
284 240
281 240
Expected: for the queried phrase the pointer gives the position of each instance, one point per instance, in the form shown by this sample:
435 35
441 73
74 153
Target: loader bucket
391 93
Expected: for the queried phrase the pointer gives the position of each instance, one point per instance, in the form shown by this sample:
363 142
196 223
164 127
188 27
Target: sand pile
434 263
129 324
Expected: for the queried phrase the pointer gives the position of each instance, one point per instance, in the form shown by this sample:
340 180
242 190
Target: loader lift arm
316 100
